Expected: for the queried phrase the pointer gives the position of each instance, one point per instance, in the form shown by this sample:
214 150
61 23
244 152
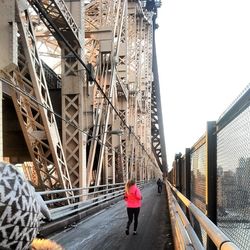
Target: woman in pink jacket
133 199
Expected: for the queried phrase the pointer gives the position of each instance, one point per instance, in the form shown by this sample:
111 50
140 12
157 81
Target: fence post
187 178
188 172
211 139
178 171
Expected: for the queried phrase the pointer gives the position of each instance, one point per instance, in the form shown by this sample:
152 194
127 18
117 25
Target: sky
203 54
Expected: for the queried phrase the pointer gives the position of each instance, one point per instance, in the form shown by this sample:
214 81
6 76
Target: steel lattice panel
233 179
198 177
198 182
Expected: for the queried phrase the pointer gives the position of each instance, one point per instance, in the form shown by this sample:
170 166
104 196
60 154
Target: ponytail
129 184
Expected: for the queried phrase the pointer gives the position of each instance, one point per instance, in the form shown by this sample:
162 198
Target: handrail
221 241
82 200
190 231
77 189
178 230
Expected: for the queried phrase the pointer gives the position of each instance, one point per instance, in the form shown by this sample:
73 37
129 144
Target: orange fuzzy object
45 244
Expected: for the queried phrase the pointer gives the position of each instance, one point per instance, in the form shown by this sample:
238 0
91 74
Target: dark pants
133 213
159 188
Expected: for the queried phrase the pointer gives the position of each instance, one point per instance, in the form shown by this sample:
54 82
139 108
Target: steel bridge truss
107 91
34 109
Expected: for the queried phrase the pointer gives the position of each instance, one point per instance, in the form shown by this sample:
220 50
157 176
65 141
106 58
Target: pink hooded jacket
133 197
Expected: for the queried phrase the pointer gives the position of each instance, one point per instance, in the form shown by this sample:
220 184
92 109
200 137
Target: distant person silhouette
133 199
159 184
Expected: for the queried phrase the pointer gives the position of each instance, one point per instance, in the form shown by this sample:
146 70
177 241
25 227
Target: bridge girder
105 50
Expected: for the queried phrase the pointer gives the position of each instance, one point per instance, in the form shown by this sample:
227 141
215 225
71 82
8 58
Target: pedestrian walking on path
133 199
159 184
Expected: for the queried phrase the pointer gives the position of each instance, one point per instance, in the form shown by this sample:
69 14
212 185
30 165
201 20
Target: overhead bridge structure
82 78
80 115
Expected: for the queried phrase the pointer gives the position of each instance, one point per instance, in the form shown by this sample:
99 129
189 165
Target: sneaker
127 232
134 233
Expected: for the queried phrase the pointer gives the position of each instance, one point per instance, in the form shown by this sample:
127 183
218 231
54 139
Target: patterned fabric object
19 210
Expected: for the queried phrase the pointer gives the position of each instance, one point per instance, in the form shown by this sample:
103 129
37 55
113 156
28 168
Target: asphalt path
106 229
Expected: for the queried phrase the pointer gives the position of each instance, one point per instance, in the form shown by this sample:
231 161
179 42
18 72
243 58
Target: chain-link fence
233 173
216 171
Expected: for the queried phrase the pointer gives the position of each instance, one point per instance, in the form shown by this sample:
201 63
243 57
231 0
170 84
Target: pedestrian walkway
106 229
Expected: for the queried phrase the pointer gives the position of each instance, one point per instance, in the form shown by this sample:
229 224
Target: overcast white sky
203 57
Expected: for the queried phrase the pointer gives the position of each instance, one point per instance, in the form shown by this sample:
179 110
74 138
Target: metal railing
83 198
183 231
